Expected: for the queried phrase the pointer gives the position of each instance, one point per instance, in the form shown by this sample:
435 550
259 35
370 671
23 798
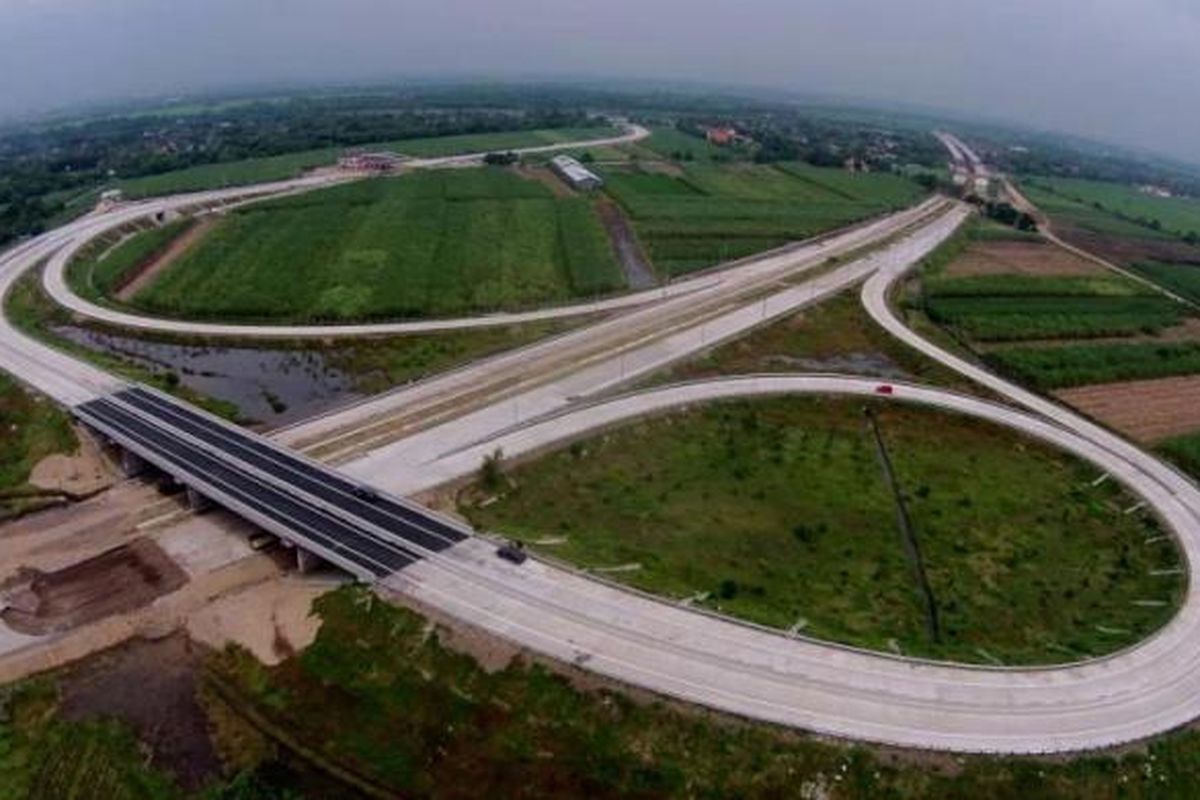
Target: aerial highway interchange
421 436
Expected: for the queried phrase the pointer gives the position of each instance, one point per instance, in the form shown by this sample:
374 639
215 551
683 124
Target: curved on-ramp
754 672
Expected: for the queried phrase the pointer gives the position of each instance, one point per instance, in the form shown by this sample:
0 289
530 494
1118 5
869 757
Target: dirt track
1148 411
146 273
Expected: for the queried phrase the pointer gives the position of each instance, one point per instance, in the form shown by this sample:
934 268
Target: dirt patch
80 474
1125 250
638 273
141 277
117 581
1020 258
273 619
1148 411
151 686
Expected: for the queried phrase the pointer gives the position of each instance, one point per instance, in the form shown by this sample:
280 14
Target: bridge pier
306 562
132 464
197 502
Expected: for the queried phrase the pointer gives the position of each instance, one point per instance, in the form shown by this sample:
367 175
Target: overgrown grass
31 428
45 758
1078 365
430 243
713 213
430 723
776 511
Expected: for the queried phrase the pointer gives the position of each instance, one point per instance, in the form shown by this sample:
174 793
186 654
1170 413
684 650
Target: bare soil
152 687
1020 258
1125 250
146 273
80 474
272 619
117 581
1147 411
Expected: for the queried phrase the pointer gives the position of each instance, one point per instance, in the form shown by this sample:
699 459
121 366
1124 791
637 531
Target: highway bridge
306 504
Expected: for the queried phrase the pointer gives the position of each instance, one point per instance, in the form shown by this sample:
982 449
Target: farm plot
991 308
1083 364
1155 215
1148 411
776 511
425 244
714 213
1182 279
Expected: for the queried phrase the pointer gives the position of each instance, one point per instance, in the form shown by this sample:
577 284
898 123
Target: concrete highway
549 393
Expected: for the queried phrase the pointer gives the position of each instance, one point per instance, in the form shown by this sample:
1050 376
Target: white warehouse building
575 174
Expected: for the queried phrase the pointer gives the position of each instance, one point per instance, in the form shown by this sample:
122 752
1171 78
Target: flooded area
269 386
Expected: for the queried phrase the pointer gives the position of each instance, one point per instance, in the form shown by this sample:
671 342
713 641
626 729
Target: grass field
101 269
1082 214
1078 365
289 165
1182 279
707 213
485 142
423 720
1174 215
673 144
430 243
232 173
776 511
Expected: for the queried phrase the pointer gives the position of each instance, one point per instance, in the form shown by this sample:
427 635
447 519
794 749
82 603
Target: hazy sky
1124 70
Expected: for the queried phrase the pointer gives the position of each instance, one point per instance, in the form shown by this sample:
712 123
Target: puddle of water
274 387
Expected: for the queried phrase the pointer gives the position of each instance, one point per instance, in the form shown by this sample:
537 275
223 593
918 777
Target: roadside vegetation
418 718
699 214
777 511
31 428
425 244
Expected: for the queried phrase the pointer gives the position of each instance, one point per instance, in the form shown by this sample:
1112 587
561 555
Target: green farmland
705 214
992 308
1079 365
776 511
429 243
1085 215
282 167
1153 215
1182 279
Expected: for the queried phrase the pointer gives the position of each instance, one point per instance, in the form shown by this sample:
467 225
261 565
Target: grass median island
776 511
702 214
426 244
100 270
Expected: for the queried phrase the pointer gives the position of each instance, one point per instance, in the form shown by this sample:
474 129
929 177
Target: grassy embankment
425 244
106 263
274 168
702 214
426 722
776 511
32 428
